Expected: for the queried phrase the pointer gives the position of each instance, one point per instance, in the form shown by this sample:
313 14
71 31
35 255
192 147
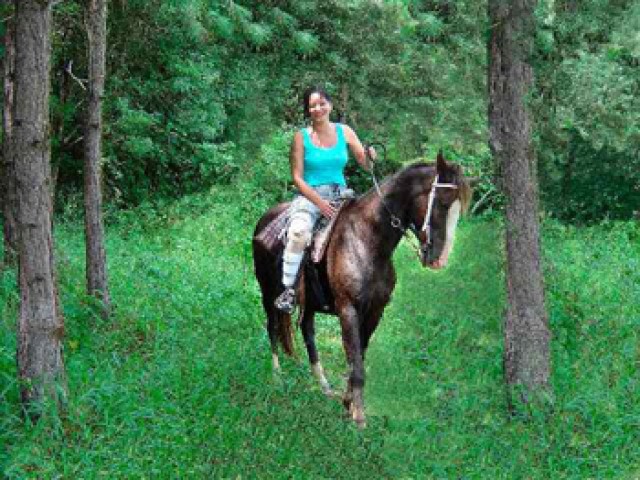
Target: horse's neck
380 212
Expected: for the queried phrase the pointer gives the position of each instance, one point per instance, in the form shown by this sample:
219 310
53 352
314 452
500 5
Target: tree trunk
7 183
526 331
96 21
40 325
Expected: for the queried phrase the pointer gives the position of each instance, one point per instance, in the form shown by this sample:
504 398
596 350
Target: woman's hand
327 209
373 155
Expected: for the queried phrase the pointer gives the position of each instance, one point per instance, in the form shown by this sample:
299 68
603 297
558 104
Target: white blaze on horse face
453 215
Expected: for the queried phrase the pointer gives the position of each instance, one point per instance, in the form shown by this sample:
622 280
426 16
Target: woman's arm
356 147
296 158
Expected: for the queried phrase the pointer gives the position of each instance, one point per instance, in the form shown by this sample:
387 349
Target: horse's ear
473 181
441 163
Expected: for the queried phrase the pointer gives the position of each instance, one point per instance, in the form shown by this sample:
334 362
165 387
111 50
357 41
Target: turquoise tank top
325 165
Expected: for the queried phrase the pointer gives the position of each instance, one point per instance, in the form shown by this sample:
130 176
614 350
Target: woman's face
319 107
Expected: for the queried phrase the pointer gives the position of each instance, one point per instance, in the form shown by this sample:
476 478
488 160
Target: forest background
195 90
201 101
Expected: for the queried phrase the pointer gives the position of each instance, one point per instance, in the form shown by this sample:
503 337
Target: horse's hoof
328 392
357 414
275 363
361 423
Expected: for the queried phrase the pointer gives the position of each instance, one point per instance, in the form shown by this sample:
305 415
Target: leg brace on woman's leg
298 238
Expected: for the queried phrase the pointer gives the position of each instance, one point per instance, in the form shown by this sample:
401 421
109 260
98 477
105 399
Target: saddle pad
272 236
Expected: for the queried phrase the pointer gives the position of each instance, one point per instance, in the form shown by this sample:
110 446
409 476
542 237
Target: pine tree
40 324
526 330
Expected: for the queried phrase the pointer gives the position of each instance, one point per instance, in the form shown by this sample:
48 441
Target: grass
178 384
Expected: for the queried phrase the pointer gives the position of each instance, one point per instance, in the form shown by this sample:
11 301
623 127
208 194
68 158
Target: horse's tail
285 332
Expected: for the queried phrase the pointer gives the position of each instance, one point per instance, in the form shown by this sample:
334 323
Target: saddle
273 236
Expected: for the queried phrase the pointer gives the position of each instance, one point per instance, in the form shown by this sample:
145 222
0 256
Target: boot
286 301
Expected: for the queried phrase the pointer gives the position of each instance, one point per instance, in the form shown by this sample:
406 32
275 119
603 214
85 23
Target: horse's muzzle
429 259
426 256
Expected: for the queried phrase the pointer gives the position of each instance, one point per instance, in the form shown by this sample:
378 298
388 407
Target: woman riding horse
356 272
318 157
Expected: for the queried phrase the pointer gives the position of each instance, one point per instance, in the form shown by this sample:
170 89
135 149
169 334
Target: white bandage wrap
298 237
299 233
290 265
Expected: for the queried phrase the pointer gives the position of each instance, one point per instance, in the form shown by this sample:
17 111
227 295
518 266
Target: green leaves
429 25
305 42
589 110
221 25
197 87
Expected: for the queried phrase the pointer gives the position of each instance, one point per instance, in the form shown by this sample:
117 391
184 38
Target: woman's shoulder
302 133
346 130
298 137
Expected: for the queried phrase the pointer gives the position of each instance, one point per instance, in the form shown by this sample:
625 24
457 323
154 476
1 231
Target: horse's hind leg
272 330
307 325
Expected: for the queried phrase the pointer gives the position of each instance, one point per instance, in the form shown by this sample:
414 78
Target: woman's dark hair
307 94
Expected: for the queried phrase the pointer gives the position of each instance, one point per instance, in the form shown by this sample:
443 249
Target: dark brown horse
356 272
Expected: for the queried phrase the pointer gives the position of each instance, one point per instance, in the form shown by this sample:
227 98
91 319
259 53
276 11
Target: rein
395 221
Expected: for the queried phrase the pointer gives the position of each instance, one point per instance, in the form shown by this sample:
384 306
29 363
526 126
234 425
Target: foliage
588 109
178 383
195 87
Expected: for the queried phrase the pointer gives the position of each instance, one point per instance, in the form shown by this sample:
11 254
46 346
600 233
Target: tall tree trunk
526 331
7 183
96 21
40 325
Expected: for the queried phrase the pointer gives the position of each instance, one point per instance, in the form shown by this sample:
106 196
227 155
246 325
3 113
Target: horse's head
438 201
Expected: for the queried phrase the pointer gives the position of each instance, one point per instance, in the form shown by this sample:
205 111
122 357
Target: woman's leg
303 218
298 237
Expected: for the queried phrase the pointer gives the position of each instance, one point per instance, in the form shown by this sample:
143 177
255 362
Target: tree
40 324
526 331
7 192
96 22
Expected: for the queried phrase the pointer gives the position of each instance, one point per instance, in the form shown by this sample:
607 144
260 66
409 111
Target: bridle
426 226
394 219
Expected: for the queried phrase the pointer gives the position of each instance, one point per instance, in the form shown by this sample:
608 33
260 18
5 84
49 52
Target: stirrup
286 301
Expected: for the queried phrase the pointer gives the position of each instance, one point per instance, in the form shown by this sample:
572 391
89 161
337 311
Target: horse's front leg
354 395
308 332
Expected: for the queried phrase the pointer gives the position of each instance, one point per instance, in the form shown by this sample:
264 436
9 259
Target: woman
318 157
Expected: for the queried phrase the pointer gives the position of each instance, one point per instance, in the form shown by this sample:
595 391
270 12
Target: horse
356 270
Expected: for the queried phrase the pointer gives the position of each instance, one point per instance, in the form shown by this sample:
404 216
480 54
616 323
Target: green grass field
178 384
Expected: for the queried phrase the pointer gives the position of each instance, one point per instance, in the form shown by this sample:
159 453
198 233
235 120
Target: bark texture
40 325
96 21
526 331
7 174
